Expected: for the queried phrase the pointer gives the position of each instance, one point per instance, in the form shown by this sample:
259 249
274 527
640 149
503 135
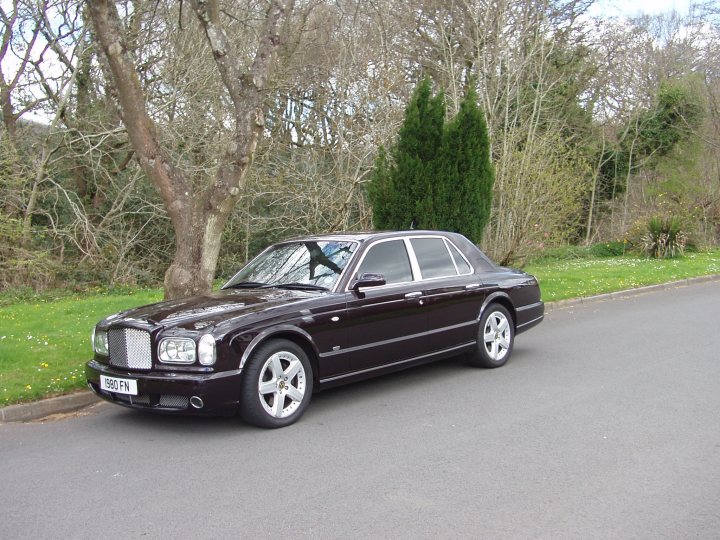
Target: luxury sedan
312 313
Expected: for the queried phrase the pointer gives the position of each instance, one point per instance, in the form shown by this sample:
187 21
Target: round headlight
100 342
206 350
177 351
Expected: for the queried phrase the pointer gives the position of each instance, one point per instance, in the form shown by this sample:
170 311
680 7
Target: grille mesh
142 399
162 401
174 402
130 348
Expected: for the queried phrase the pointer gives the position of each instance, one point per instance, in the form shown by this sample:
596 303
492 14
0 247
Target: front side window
389 259
433 257
315 263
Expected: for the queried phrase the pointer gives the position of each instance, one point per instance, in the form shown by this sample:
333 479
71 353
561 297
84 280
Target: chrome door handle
472 286
411 295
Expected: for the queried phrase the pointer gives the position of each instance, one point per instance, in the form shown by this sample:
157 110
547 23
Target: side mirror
368 280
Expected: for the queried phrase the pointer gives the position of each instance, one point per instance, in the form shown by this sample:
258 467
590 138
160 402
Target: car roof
364 236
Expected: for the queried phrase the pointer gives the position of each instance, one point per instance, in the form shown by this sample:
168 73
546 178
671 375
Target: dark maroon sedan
309 314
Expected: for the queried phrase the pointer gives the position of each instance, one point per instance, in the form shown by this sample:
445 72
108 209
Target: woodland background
597 125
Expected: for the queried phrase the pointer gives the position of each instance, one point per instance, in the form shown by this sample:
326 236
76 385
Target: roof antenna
413 224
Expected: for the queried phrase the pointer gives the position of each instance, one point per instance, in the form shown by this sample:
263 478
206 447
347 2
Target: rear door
452 294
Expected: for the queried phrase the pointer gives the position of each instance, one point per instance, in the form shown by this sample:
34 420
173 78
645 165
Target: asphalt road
604 424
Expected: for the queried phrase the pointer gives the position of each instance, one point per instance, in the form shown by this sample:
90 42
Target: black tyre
496 335
277 384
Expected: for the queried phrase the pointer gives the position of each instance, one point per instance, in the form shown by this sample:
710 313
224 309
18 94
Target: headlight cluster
177 351
100 342
184 351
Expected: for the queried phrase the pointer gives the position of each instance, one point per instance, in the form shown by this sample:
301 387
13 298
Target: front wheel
276 385
496 335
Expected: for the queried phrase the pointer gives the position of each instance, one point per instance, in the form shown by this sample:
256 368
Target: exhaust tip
196 402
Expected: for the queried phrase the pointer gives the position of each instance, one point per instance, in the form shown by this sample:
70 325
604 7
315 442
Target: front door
386 324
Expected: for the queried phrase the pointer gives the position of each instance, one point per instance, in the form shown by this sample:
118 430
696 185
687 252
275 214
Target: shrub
664 238
608 249
19 266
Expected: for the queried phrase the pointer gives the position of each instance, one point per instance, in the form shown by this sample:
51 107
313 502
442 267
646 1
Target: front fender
269 333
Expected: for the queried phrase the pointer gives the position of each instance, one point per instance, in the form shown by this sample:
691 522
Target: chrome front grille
130 348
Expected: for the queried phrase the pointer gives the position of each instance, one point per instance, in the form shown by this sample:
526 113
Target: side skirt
354 376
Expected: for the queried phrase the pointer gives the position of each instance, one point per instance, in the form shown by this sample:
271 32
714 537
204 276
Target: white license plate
119 386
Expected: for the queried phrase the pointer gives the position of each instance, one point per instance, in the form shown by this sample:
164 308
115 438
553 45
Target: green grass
44 342
45 338
570 278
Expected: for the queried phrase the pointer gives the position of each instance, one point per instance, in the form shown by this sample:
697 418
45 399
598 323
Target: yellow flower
28 387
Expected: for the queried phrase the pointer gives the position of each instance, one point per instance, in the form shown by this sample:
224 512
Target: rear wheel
496 335
277 384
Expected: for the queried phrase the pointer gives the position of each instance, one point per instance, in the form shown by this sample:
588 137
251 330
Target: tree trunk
198 245
198 212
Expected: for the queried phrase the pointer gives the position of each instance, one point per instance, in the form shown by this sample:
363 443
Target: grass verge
572 278
44 342
45 339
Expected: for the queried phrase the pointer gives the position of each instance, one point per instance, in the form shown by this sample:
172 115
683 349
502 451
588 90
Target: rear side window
389 259
462 265
433 257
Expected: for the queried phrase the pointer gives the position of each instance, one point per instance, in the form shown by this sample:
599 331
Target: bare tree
198 210
38 50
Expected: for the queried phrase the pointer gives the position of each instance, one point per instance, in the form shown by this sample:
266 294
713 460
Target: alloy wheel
497 336
282 384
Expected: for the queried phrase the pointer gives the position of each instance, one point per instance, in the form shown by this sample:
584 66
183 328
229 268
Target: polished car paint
347 333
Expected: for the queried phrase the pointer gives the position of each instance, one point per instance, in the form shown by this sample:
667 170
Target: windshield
312 263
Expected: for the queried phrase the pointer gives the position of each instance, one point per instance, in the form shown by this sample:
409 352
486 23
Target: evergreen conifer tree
400 190
439 175
465 175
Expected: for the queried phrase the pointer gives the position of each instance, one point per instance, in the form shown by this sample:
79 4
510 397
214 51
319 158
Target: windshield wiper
246 285
298 286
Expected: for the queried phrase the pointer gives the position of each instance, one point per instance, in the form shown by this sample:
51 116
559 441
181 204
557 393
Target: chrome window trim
452 259
464 258
446 240
414 265
348 264
367 250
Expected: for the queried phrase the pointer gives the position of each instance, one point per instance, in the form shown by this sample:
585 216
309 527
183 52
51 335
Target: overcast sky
637 7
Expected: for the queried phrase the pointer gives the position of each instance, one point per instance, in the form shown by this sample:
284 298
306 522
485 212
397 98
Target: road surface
604 424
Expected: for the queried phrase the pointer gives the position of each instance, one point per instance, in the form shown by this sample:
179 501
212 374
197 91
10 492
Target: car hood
198 312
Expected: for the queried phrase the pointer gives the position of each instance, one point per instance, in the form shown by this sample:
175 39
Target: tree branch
170 181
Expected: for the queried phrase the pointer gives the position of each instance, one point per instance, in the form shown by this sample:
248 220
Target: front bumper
170 392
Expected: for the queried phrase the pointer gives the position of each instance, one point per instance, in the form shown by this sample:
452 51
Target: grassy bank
45 339
44 342
571 278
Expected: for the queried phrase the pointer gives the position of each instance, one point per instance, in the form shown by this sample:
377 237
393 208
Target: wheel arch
291 333
502 299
